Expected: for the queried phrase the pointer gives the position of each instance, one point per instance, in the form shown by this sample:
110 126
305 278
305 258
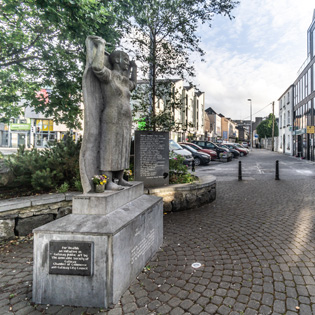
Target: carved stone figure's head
119 58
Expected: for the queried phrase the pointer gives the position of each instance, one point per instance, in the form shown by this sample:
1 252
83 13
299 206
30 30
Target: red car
237 147
212 153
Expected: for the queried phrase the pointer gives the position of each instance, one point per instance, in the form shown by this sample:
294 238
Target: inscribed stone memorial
152 158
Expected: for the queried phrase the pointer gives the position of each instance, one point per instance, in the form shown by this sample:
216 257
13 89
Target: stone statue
107 83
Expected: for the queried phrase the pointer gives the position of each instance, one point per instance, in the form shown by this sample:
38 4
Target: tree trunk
152 80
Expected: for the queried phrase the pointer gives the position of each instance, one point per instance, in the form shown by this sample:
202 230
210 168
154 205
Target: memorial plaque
71 258
152 158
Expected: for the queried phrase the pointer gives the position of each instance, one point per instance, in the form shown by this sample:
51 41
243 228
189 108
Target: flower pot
99 188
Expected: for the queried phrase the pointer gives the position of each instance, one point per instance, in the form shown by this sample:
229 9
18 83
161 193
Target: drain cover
196 265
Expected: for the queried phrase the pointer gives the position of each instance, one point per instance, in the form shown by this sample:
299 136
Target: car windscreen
195 146
174 146
187 147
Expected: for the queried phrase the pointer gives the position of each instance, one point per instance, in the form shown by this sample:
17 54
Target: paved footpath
256 248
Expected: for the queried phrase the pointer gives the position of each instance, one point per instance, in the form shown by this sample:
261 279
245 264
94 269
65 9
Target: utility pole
273 126
251 125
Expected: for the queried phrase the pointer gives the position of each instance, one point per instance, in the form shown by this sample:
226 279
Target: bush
43 180
63 188
78 185
44 170
178 171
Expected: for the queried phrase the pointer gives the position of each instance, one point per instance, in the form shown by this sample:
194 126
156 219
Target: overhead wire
257 111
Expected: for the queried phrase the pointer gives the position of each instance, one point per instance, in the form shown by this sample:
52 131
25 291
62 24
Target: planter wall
186 196
19 216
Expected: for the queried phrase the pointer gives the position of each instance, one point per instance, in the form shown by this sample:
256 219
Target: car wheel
197 161
241 154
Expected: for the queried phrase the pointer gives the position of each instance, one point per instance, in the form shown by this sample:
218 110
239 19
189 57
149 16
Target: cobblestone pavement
256 248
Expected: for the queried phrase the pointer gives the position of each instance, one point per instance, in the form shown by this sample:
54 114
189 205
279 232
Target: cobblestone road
256 248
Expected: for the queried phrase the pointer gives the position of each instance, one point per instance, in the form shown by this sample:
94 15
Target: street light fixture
251 124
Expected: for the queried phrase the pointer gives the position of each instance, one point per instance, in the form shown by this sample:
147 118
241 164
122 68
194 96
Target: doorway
299 146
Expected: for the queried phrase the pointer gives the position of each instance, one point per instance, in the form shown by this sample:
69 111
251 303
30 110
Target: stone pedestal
89 258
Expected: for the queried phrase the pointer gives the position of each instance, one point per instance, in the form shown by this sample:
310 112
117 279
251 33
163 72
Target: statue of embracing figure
107 84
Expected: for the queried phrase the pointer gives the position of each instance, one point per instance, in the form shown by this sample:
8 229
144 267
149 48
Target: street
260 165
251 251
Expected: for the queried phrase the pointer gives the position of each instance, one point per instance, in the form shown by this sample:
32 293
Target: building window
289 118
288 142
309 73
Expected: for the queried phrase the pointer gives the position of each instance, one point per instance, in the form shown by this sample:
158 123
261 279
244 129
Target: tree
264 129
167 97
163 36
42 45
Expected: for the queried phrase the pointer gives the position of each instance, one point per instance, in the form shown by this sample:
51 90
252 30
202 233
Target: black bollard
193 166
277 170
239 170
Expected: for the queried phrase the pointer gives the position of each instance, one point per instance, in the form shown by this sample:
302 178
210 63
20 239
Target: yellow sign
310 129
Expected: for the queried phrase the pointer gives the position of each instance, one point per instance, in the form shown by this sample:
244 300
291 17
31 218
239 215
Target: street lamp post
251 124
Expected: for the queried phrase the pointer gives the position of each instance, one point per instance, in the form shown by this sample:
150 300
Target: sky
255 56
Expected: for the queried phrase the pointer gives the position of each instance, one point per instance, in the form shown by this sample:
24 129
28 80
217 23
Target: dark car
210 145
199 157
212 153
235 152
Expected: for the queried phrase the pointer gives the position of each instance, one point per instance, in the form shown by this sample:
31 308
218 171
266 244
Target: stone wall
186 196
19 216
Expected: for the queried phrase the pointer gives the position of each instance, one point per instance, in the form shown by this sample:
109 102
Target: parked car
245 144
178 150
235 152
199 157
210 145
243 151
212 153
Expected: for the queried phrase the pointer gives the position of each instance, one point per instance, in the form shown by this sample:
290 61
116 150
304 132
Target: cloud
256 55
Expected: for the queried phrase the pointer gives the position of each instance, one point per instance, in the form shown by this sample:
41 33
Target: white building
285 143
184 104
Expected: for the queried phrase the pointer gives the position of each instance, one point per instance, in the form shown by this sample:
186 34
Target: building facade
184 103
285 143
304 104
215 129
33 130
229 129
243 127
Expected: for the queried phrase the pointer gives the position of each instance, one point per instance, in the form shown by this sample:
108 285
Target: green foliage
63 188
42 45
78 185
264 129
43 180
178 172
44 170
163 36
167 97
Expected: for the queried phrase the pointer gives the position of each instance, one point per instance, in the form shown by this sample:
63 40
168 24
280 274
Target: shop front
303 143
19 135
44 132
